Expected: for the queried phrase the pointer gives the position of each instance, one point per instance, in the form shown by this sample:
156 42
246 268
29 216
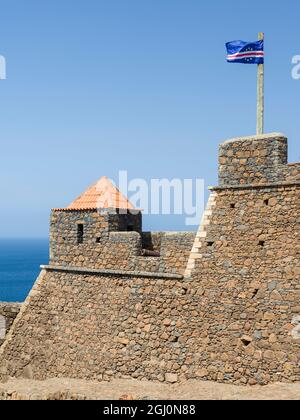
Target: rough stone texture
130 389
99 327
104 242
250 287
235 318
291 173
107 245
8 313
256 160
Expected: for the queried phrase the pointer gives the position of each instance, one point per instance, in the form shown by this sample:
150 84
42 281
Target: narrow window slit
79 234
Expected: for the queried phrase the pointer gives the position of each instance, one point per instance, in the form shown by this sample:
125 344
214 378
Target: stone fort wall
8 313
256 160
235 318
250 276
105 244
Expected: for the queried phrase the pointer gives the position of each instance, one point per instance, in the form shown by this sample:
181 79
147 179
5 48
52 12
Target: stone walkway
132 389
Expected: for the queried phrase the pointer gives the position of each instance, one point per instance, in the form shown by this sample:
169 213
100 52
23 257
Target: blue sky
98 86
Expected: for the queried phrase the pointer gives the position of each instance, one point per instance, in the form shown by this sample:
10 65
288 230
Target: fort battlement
96 234
107 244
221 304
256 160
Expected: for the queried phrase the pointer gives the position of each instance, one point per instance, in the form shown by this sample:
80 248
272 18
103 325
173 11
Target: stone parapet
103 246
253 160
8 313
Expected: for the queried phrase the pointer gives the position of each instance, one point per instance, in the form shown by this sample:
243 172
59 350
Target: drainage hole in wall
245 342
261 243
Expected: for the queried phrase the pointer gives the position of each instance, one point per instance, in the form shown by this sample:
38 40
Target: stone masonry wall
174 248
291 172
8 313
252 160
98 327
235 319
105 247
250 279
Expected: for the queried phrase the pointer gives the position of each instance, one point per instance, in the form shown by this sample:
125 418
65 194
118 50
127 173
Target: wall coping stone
4 304
122 273
255 186
261 137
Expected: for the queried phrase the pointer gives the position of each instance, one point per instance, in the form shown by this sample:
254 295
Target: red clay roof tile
101 195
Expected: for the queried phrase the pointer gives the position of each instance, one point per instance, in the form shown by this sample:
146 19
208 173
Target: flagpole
260 93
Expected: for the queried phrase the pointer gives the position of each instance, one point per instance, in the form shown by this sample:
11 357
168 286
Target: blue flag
245 52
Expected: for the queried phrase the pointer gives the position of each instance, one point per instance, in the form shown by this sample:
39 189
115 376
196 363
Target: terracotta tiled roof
101 195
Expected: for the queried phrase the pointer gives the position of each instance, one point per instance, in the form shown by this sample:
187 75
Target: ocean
20 261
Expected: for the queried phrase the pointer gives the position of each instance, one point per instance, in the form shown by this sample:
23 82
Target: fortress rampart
228 311
8 313
257 160
107 244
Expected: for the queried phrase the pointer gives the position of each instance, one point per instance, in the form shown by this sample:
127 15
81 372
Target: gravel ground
133 389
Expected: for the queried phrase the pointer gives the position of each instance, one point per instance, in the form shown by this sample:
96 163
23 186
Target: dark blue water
20 261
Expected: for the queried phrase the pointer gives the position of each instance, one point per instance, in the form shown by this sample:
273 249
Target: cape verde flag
245 52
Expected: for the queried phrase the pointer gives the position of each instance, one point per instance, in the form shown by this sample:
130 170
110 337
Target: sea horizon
20 260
